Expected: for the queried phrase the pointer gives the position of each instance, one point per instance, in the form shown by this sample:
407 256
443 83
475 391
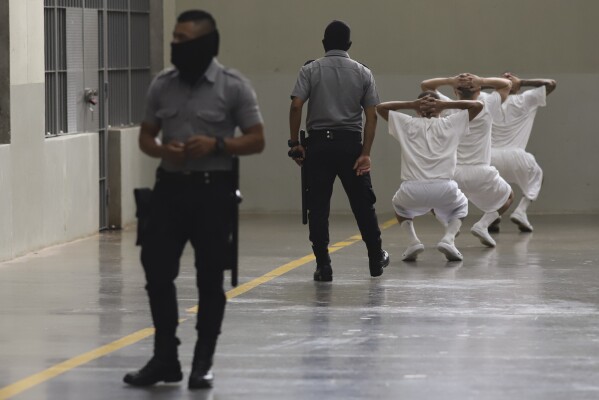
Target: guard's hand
297 154
362 165
199 146
174 153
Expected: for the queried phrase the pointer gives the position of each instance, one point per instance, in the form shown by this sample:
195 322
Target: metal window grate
140 35
140 5
140 80
97 4
61 112
118 5
125 57
55 60
69 3
101 101
122 76
118 104
50 93
100 40
118 43
50 42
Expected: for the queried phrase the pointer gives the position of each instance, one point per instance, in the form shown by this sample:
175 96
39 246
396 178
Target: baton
302 138
297 153
237 199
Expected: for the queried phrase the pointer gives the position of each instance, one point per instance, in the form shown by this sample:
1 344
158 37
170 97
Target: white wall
404 42
5 203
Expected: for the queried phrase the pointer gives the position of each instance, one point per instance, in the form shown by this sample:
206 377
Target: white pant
483 186
519 167
415 198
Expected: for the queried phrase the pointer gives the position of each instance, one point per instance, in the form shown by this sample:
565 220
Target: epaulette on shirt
234 73
166 72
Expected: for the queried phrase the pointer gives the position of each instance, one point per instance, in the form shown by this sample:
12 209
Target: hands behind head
516 82
428 106
468 81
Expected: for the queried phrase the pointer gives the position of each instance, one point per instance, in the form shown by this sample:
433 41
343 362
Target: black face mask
193 57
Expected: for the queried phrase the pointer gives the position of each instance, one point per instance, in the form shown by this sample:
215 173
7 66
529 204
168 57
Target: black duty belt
335 134
194 177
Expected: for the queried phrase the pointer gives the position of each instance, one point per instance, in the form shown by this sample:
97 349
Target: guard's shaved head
337 36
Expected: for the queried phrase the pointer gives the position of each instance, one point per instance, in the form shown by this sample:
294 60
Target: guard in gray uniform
339 89
197 106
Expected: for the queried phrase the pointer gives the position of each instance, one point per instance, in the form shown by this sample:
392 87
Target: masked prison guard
339 89
197 106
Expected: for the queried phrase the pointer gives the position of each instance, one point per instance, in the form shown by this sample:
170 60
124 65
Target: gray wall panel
404 42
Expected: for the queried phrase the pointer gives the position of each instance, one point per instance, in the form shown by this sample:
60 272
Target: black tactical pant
330 155
195 208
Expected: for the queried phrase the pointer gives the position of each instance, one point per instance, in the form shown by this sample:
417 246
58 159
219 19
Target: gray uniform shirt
338 88
218 103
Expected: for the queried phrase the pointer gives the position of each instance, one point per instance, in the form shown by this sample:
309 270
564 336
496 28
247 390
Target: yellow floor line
58 369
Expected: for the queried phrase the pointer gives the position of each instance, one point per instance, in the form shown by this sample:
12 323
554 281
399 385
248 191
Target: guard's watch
292 143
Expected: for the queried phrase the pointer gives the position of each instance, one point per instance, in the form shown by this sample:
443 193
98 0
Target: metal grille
101 101
140 5
118 43
97 4
100 41
122 75
118 104
140 35
118 5
70 3
140 80
55 60
50 104
125 59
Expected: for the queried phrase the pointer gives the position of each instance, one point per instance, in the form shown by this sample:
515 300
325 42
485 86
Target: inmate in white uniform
480 182
428 160
511 131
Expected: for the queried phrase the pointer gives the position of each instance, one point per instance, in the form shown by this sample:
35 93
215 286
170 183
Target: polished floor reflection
520 321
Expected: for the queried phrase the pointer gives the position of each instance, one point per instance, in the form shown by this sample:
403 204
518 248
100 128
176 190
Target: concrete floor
516 322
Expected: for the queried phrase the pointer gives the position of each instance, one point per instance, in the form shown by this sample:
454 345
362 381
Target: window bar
129 96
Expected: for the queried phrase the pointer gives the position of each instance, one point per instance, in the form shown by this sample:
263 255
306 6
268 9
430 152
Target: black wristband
219 147
292 143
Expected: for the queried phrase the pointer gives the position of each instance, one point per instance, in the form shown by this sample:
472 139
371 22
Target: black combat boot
377 258
324 271
201 368
163 367
378 263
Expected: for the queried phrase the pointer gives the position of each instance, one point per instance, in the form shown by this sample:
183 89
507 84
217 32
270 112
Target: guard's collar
212 71
336 53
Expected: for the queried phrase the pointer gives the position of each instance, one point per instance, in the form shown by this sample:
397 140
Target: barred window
101 45
101 49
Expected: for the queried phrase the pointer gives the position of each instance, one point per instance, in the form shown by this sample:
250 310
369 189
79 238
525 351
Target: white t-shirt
428 145
512 129
475 145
